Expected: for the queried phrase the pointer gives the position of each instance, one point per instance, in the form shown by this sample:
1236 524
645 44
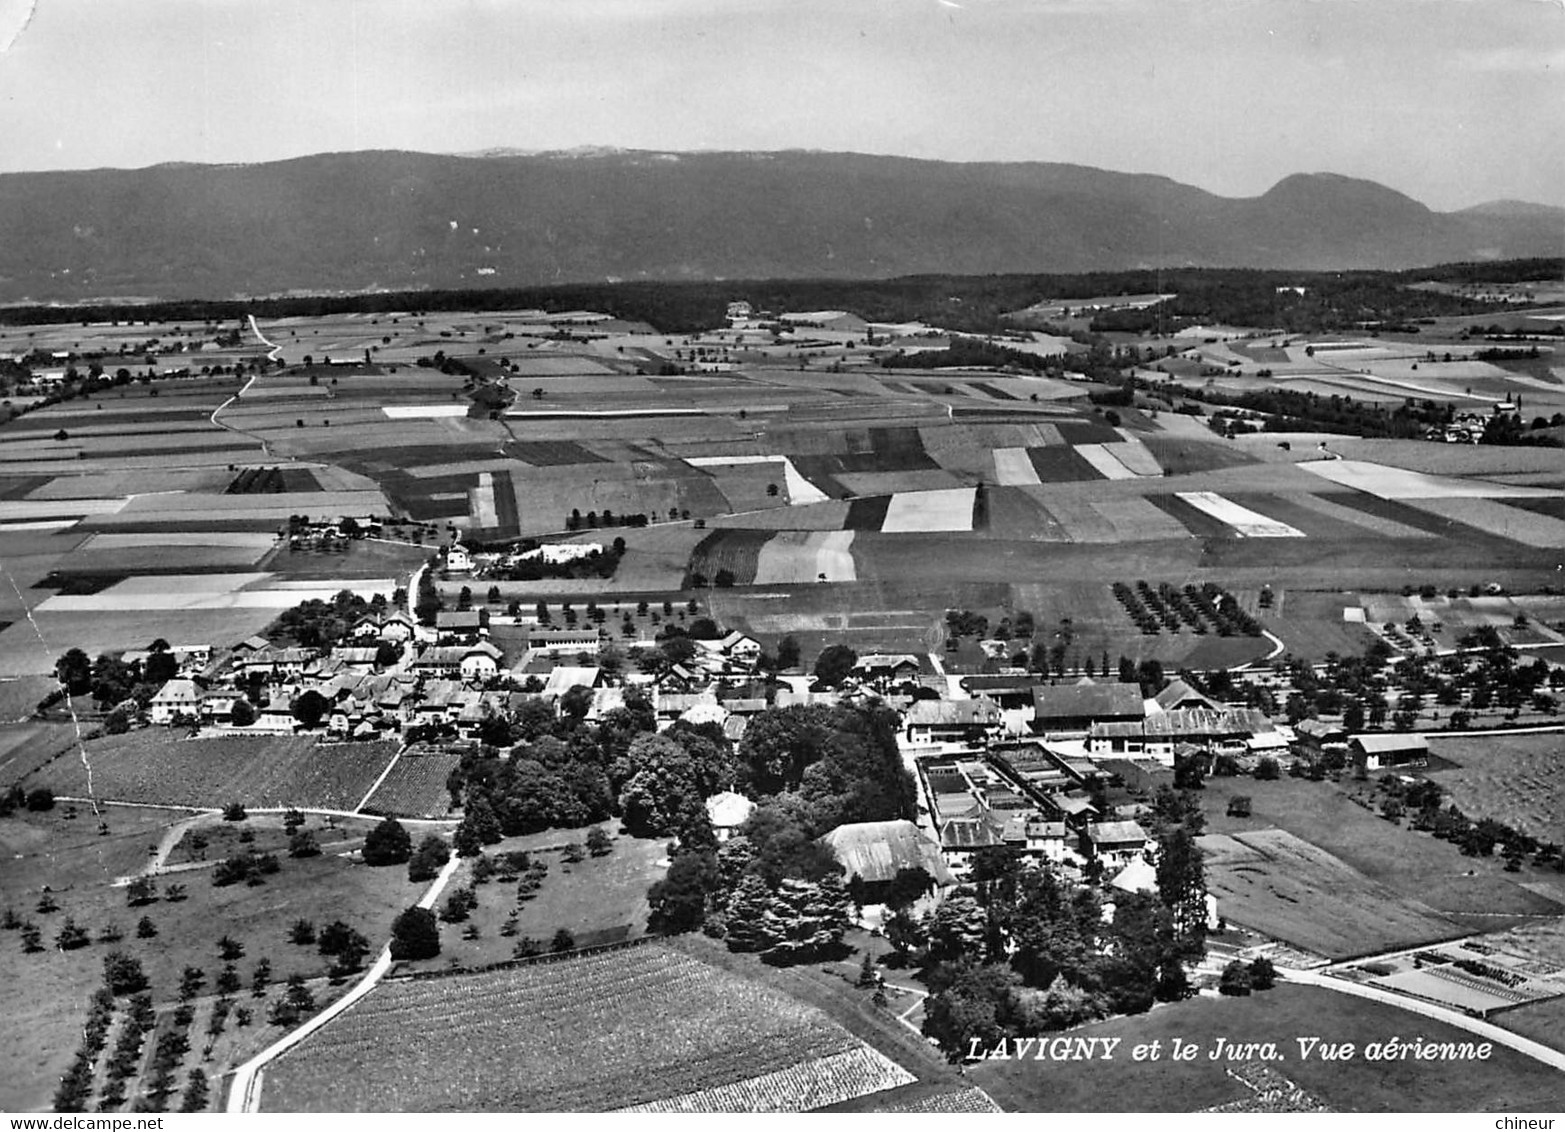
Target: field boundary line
245 1093
395 759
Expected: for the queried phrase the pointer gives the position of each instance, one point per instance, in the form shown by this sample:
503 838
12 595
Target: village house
275 664
1060 709
277 715
1039 839
727 812
586 639
960 838
178 699
1180 696
566 676
459 627
966 722
1115 843
1072 809
874 852
356 658
1316 738
217 706
471 663
556 553
1012 692
1159 735
458 560
397 627
737 648
1387 751
881 670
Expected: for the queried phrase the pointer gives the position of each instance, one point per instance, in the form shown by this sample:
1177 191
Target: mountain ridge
397 219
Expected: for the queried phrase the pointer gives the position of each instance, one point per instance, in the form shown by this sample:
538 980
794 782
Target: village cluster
1001 760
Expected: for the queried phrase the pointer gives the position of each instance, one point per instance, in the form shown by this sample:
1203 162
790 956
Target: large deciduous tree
388 844
415 935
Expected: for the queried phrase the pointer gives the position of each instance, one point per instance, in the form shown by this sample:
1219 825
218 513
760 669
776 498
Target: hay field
1012 467
889 483
173 593
1327 507
925 511
1388 482
1493 517
1448 459
1516 779
1285 887
106 484
1104 461
1134 454
1016 513
831 515
800 490
800 556
1248 523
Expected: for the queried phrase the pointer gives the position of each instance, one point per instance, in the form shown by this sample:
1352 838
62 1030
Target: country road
244 1095
1488 1031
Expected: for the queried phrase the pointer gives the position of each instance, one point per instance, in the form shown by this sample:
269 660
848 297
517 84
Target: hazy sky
1451 101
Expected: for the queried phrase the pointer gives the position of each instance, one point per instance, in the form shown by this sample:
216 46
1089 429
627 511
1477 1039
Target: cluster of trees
592 520
344 944
1487 675
597 564
37 800
1509 429
773 888
973 353
565 772
1205 608
1016 953
1421 801
324 624
1287 410
249 867
111 680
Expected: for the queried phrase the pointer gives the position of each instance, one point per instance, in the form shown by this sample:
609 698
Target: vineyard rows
799 1088
416 787
600 1032
255 770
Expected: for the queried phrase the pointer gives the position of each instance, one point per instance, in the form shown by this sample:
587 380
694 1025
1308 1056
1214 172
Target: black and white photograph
695 557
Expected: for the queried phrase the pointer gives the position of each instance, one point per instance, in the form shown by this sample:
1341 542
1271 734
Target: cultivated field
1280 885
1516 779
1474 894
415 787
154 765
609 1031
